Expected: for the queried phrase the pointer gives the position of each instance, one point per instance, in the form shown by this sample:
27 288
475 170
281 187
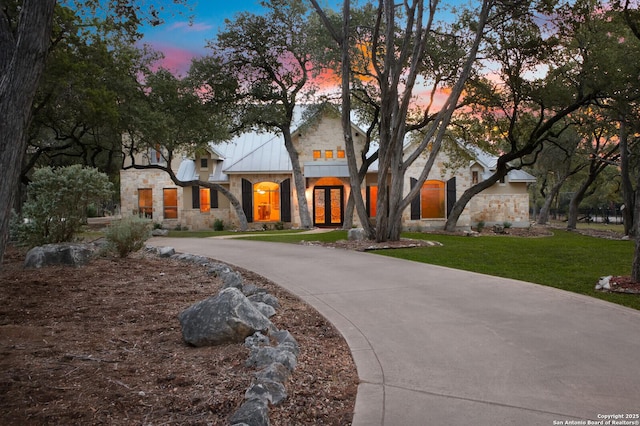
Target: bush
480 226
279 226
218 225
57 204
507 225
128 235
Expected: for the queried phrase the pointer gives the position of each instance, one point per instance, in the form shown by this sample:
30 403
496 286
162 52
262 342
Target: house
256 168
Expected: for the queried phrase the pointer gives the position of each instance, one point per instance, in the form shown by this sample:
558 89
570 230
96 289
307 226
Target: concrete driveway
438 346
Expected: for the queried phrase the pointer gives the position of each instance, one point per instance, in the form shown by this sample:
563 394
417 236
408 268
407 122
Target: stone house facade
255 167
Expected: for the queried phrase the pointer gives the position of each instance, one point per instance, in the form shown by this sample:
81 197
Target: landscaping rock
356 234
268 391
264 356
58 254
228 317
253 412
274 371
231 279
160 232
604 283
265 298
266 310
166 251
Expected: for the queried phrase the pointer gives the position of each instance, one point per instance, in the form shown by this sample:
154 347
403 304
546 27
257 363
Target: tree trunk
572 219
22 60
627 188
635 266
298 180
348 213
543 216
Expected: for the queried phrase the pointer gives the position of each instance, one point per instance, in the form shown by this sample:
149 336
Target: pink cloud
176 60
190 27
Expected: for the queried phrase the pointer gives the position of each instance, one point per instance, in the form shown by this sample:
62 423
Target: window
145 203
432 195
317 154
204 163
372 200
205 200
474 177
266 202
170 200
340 153
328 153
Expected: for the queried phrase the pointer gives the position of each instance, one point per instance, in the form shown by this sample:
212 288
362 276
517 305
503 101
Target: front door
327 205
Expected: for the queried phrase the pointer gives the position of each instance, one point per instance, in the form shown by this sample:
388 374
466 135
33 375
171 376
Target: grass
567 260
207 234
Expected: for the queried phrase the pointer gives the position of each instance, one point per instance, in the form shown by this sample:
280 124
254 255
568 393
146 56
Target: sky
180 40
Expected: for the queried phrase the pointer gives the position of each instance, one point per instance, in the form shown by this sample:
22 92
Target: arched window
266 202
432 200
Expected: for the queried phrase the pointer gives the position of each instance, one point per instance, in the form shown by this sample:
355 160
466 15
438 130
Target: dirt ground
102 344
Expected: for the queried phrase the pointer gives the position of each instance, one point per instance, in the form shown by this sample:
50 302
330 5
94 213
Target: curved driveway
437 346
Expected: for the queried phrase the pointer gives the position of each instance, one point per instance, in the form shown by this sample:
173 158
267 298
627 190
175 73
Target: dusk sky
180 41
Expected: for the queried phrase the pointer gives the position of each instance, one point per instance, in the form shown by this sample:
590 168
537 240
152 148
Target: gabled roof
258 152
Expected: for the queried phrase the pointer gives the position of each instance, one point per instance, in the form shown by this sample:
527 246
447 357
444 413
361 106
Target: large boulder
58 254
228 317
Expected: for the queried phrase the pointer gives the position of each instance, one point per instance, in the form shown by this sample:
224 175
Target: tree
25 37
525 107
557 162
174 116
401 46
270 55
57 204
604 152
76 112
23 47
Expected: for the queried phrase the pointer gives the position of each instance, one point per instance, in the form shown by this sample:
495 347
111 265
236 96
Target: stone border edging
275 363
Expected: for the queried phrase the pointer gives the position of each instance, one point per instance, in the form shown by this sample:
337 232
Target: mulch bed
101 344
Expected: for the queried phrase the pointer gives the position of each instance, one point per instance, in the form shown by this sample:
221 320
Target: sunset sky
180 41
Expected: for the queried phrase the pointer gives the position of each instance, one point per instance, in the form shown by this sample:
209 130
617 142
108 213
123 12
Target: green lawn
207 234
566 260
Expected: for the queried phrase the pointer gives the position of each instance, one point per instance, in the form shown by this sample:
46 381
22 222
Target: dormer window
204 163
475 177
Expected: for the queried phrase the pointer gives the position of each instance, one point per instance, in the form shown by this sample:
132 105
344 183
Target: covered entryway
328 205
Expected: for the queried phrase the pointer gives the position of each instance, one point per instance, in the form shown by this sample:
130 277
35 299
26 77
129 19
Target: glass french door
328 205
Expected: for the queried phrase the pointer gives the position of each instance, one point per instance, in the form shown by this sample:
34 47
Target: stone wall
499 208
131 180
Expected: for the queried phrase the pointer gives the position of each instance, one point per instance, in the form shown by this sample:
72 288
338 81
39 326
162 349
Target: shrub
57 203
507 225
218 225
279 226
480 226
127 235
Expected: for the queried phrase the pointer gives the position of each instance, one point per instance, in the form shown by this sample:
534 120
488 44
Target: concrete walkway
437 346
